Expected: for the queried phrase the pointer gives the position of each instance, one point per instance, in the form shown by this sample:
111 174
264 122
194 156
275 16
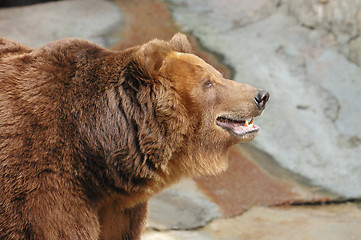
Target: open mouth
237 127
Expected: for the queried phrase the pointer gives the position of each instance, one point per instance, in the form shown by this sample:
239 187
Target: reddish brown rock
147 19
246 184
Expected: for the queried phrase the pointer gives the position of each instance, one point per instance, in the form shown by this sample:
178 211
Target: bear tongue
243 129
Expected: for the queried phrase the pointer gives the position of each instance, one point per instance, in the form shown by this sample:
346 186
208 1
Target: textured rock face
355 51
39 24
181 207
342 18
259 223
311 125
286 223
336 16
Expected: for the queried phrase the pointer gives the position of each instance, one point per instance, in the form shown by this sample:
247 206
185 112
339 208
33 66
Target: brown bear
88 135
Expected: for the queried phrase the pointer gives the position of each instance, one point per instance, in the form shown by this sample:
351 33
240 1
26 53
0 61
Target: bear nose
261 99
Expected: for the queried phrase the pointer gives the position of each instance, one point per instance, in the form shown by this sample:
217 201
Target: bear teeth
250 124
246 123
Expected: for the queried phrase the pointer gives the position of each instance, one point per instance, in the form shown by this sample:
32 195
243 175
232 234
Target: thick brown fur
88 135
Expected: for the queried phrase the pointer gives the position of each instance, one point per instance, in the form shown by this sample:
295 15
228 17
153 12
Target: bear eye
207 83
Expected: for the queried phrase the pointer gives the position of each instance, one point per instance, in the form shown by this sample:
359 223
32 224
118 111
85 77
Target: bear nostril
261 98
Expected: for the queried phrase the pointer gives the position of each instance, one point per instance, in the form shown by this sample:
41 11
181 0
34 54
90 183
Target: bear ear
150 57
180 43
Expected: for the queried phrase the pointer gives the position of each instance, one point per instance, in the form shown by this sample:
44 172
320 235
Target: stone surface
159 24
246 184
333 222
355 44
176 235
311 125
355 51
146 19
36 25
336 16
182 206
226 15
321 223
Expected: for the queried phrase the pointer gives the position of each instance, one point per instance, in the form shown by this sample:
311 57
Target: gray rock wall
39 24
